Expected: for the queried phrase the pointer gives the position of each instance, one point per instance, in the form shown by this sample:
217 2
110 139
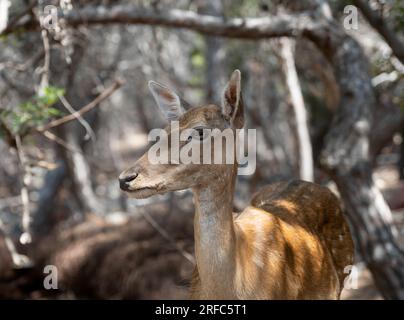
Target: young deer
291 242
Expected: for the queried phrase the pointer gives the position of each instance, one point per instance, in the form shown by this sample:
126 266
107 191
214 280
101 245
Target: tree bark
346 157
390 120
42 220
278 138
377 22
214 53
78 169
371 220
243 28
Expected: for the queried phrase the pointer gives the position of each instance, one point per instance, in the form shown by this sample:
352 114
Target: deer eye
199 135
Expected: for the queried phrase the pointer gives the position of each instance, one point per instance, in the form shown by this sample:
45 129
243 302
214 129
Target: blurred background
321 82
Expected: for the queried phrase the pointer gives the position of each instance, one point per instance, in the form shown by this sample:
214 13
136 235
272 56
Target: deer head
194 127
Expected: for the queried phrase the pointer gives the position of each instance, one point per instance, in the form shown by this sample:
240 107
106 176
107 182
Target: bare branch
69 147
90 132
386 77
49 135
73 116
19 260
377 22
45 69
299 109
26 180
248 28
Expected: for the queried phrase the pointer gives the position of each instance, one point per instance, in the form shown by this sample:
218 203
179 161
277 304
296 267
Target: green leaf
34 112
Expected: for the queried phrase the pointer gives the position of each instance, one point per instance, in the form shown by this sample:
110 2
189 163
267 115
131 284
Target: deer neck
215 234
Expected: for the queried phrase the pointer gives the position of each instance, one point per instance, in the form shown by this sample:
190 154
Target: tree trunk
376 20
346 157
390 120
78 93
42 220
214 53
371 220
346 154
82 178
279 143
302 131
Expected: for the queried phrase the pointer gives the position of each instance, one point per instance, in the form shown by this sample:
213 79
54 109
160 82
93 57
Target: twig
12 65
26 180
49 135
90 133
54 138
385 77
105 94
45 69
19 260
166 236
43 164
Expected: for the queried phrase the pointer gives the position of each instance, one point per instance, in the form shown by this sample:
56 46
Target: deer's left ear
232 104
168 101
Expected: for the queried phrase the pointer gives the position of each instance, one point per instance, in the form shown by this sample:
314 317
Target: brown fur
304 245
292 242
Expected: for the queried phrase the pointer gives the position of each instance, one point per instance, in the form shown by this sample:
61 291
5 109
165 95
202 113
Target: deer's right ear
232 104
167 100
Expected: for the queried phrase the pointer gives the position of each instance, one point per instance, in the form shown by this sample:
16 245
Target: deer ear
232 104
167 100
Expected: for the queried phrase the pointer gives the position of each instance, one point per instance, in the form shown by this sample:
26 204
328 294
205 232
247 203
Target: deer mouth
141 193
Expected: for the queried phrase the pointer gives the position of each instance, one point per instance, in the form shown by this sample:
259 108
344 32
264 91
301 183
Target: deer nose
124 182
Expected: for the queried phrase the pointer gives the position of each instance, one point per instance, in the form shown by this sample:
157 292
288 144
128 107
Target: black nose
124 182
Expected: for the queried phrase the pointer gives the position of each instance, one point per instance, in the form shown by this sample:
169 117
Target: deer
291 242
